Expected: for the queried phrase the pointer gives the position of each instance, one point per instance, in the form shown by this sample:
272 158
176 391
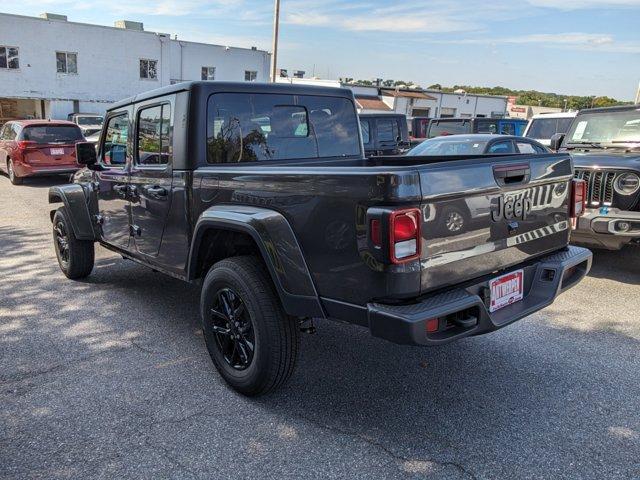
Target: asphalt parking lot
110 378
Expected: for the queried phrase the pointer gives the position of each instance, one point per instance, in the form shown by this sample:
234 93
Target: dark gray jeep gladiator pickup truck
605 146
262 194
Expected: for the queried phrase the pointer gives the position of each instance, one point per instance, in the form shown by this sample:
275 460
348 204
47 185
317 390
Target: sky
577 47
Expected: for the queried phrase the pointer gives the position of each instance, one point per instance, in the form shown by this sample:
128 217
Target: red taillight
24 144
578 197
404 235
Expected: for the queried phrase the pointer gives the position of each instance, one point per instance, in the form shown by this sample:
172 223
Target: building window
67 62
148 69
208 73
250 75
9 57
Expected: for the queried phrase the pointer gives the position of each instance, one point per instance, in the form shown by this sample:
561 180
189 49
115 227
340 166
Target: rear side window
258 127
388 130
114 149
437 129
154 135
52 134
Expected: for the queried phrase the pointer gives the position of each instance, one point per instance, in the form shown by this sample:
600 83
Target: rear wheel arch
215 240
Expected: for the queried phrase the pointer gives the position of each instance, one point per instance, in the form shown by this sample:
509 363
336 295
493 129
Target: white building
50 67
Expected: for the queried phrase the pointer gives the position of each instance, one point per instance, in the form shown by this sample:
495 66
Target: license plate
57 151
506 290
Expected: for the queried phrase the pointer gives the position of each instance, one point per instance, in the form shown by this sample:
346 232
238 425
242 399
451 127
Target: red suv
38 147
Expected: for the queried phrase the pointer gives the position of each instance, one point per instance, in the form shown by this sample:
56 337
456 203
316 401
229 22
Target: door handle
156 191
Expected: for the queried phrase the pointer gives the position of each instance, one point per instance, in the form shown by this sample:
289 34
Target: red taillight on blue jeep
578 198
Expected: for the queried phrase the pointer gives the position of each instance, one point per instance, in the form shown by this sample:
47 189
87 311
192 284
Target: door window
525 147
154 135
502 147
114 148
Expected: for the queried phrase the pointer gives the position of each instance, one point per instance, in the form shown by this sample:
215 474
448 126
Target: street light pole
274 50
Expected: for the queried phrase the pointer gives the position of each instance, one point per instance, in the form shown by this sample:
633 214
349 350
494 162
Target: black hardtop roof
479 137
382 114
460 119
619 108
235 87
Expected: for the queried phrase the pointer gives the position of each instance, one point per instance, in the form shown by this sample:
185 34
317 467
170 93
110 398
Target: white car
543 126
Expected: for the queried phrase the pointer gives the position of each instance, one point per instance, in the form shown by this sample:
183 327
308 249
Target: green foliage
534 97
523 97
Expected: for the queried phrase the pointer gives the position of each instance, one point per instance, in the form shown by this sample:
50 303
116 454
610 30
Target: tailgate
504 211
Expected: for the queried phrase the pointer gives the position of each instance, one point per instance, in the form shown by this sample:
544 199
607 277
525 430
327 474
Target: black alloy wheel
61 242
233 329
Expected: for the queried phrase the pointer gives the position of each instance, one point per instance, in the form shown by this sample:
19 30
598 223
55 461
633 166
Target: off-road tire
78 261
11 173
276 335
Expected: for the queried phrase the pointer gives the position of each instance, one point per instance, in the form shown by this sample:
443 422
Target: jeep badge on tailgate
510 209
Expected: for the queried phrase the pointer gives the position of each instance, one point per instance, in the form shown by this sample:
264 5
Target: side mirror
556 141
86 154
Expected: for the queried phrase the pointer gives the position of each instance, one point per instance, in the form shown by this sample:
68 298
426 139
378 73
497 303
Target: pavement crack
398 458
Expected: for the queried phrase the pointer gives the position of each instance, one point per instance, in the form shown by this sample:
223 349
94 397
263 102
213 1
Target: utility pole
274 52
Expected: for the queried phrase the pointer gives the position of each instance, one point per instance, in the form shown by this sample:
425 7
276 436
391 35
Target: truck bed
326 203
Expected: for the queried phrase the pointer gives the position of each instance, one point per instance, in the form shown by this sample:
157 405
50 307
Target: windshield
545 128
52 134
611 127
449 146
89 120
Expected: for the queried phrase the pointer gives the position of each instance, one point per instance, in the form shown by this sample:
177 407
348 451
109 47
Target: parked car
454 126
605 146
477 144
89 123
38 147
384 133
265 198
93 138
545 125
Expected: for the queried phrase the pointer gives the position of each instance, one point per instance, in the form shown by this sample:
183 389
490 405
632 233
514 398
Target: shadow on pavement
513 403
621 266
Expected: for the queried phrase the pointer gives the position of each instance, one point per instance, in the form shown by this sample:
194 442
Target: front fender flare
75 200
278 245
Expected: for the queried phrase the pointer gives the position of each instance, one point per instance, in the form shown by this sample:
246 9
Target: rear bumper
23 169
598 229
544 280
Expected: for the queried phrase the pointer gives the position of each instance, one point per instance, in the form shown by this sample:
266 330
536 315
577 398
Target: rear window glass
437 129
485 126
51 134
388 130
257 127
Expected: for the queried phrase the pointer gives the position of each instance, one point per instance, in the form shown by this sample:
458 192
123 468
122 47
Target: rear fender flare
76 202
278 246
